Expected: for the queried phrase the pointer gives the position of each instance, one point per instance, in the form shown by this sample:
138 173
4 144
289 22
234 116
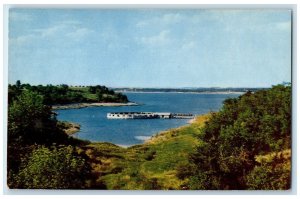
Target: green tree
56 168
99 95
14 91
18 84
255 123
30 121
92 89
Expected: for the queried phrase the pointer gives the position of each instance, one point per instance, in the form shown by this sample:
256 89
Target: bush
30 121
255 123
184 170
267 178
273 173
56 168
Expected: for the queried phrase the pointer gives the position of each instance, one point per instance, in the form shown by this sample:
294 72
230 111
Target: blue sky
150 47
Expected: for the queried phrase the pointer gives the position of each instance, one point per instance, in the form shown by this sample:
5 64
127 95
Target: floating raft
149 115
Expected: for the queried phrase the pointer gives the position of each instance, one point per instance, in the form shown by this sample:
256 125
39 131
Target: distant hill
193 90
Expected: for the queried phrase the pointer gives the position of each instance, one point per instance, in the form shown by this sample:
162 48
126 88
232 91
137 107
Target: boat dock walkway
149 115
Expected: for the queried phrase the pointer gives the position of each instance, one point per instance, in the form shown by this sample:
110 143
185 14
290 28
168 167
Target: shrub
56 168
255 123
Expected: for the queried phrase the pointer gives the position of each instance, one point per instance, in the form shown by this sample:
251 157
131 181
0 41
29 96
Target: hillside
152 165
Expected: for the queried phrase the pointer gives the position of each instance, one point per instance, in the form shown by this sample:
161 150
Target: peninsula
70 97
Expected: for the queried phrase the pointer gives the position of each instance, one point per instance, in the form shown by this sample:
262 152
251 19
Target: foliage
30 121
33 128
184 170
63 94
266 177
255 123
272 173
48 168
30 124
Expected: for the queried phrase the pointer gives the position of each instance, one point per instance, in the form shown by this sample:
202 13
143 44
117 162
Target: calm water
96 127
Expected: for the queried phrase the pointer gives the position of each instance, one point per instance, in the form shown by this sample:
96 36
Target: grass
152 165
83 89
86 94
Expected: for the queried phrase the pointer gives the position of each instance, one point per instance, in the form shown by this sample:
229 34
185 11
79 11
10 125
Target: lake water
96 127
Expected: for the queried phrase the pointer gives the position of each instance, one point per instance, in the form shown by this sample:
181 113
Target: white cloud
70 22
79 33
69 28
270 27
63 30
160 39
172 18
15 16
52 30
21 39
164 20
141 24
188 45
284 26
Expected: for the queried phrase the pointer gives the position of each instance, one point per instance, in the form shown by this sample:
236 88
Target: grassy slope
86 94
151 165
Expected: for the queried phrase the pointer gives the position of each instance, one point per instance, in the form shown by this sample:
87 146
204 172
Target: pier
149 115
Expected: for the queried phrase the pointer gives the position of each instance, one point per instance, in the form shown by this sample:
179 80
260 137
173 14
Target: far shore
95 104
204 92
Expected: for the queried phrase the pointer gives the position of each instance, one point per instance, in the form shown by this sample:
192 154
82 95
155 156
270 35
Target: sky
150 47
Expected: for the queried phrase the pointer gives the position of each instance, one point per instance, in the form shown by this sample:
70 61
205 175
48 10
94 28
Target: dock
149 115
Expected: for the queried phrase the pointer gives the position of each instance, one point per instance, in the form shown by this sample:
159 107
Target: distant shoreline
205 92
95 104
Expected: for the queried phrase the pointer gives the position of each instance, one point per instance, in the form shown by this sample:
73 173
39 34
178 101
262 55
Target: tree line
63 94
